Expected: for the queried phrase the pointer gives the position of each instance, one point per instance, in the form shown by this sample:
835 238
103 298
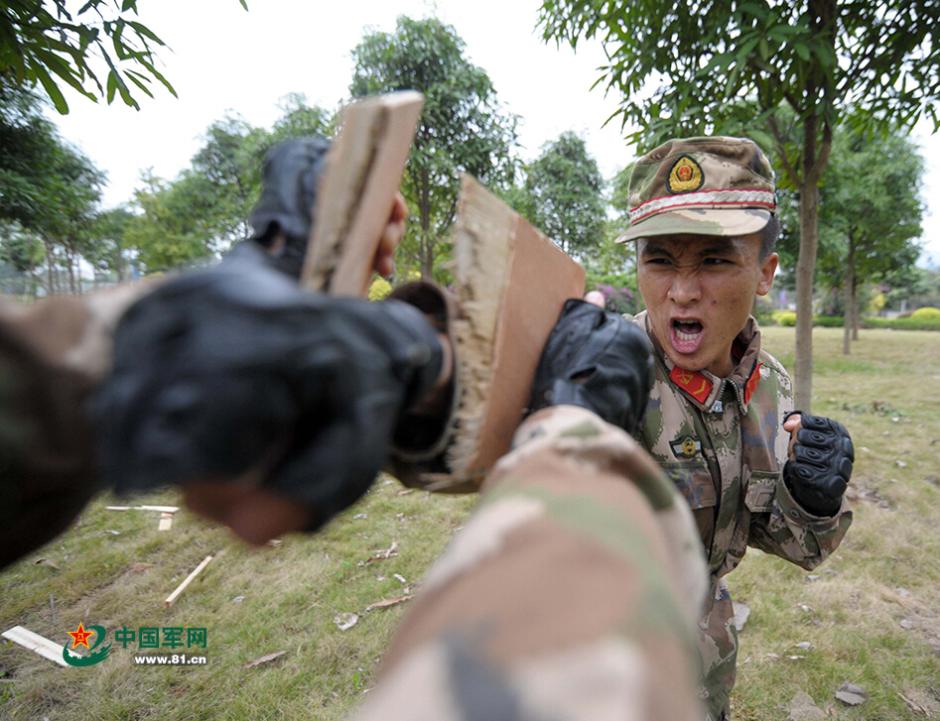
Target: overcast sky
222 59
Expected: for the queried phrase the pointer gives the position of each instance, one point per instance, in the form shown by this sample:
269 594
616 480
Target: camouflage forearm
579 574
791 532
52 354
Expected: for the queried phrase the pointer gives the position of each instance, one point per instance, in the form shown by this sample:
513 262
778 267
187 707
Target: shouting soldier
720 420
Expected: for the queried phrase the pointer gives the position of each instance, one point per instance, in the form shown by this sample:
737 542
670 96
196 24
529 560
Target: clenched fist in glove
820 463
234 375
596 360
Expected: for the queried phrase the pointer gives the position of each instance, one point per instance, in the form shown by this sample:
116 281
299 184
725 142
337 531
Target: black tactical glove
821 466
235 368
596 360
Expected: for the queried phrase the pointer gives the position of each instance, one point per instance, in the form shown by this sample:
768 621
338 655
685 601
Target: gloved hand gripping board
511 283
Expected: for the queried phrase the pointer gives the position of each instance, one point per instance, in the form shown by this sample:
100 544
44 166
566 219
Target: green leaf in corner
112 86
52 90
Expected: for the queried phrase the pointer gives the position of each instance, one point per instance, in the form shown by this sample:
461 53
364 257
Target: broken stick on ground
189 579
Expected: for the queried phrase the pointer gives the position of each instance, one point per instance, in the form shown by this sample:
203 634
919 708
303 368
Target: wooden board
512 282
357 191
36 643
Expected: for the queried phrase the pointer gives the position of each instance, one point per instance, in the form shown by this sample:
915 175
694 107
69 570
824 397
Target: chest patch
685 447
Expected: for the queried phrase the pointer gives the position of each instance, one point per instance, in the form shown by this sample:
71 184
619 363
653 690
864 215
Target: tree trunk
427 258
805 266
50 272
848 312
426 249
70 266
856 313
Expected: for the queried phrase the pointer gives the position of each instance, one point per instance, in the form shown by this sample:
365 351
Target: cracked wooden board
511 282
355 197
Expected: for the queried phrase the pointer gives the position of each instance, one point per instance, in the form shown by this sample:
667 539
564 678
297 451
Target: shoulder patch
685 447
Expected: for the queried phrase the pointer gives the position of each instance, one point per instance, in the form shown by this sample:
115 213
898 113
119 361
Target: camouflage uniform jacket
722 442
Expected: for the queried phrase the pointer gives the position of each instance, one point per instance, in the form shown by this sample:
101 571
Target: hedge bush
928 321
910 323
926 314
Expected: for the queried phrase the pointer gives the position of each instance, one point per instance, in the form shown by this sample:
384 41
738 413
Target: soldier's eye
716 261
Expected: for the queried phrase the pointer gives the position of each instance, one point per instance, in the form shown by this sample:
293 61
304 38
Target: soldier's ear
768 266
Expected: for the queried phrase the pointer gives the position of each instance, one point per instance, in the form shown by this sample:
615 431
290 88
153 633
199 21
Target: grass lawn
871 614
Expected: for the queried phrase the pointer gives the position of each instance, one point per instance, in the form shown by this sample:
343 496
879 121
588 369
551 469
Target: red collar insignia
692 382
751 384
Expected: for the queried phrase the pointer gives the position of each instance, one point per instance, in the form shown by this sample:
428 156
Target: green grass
887 570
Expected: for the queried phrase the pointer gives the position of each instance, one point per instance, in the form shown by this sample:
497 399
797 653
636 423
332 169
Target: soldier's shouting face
699 290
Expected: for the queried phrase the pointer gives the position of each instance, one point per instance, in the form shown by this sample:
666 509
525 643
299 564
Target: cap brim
700 221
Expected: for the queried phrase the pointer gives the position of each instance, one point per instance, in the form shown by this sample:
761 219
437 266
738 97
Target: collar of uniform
703 388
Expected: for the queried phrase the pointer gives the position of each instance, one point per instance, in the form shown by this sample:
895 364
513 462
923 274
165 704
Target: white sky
223 59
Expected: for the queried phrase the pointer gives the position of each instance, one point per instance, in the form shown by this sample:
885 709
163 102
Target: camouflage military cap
705 186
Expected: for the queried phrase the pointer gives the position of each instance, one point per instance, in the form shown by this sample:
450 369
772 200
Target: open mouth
686 335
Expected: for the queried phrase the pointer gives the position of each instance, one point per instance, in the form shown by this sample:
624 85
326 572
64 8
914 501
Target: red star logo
80 636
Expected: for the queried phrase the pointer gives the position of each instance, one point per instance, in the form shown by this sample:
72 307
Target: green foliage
379 289
99 50
909 323
828 321
49 191
109 253
463 128
714 54
870 208
566 189
44 43
926 314
785 318
172 229
19 248
298 119
203 211
610 263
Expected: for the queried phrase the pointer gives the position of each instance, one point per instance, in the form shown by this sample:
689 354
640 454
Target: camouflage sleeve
779 525
789 531
572 592
52 354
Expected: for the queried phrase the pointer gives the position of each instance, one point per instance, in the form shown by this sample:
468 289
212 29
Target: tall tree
567 192
873 64
871 211
47 187
172 229
463 128
205 209
228 163
109 253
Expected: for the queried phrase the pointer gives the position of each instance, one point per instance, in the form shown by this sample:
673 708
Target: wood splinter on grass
189 579
166 522
36 643
158 509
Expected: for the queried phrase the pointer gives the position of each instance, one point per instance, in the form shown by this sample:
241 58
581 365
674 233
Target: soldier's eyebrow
653 248
720 249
